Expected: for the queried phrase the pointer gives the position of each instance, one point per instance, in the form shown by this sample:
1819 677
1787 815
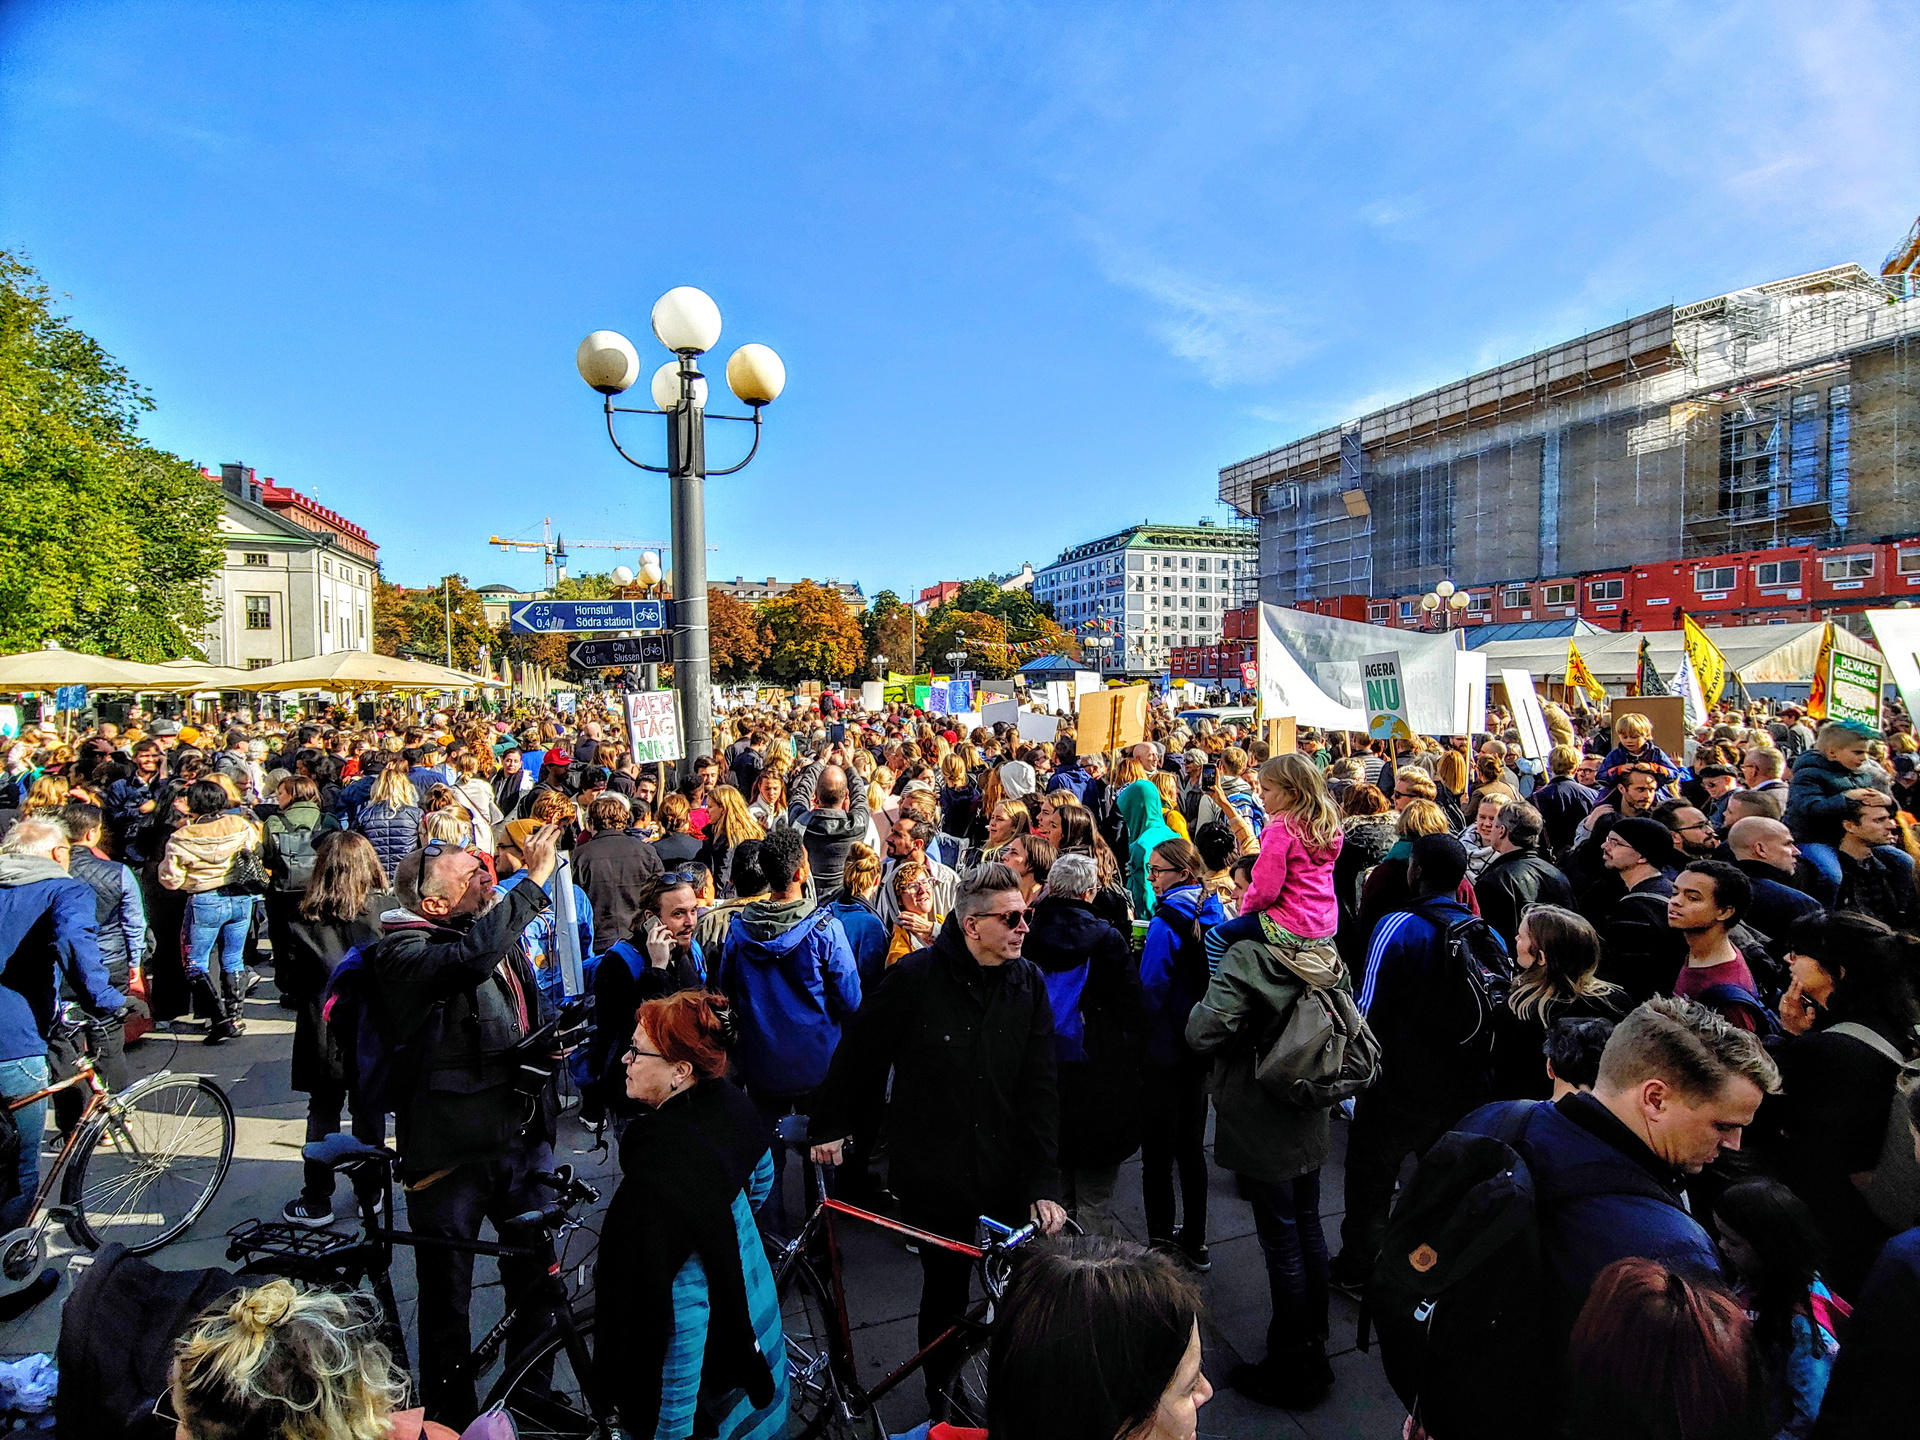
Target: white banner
995 712
1038 728
1310 669
873 695
1528 718
1085 680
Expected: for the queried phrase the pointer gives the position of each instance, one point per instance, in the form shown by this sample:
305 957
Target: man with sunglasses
965 1030
451 986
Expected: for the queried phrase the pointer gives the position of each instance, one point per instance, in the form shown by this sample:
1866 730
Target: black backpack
1461 1284
1479 957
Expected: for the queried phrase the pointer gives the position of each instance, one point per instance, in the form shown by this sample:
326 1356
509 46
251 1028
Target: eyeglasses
634 1052
1153 869
680 877
163 1406
1697 825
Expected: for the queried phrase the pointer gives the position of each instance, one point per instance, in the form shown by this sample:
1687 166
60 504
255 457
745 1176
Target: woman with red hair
689 1321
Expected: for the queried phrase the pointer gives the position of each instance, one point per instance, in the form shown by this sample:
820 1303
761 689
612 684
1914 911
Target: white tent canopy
1758 654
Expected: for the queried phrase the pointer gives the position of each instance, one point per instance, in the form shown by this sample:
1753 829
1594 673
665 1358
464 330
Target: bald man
1763 848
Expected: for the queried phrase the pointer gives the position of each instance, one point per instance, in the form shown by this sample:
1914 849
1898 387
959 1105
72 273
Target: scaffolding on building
1722 425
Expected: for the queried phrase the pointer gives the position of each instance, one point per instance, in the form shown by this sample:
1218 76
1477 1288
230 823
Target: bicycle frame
819 1231
42 1213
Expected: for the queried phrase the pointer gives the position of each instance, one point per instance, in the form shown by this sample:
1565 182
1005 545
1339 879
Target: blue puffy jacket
792 991
1174 982
394 831
48 932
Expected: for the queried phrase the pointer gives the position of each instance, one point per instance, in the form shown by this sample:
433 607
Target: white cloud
1235 334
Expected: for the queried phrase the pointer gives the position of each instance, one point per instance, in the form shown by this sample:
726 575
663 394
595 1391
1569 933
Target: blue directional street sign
571 617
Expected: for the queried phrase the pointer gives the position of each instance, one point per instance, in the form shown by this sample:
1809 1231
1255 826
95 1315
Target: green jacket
1254 1134
1145 816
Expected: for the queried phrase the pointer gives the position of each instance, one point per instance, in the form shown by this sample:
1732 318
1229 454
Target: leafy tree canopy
106 543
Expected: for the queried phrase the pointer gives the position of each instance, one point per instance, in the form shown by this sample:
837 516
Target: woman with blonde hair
1169 789
1557 955
732 823
1386 888
769 805
1004 821
392 815
49 792
283 1363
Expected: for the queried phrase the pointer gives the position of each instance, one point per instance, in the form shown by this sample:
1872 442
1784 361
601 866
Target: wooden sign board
1283 735
1111 720
1666 713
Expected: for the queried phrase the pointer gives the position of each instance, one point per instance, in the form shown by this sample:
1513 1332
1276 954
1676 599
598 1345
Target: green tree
736 645
810 635
418 622
890 628
981 636
105 542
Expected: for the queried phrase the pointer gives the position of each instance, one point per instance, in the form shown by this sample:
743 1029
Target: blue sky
1036 270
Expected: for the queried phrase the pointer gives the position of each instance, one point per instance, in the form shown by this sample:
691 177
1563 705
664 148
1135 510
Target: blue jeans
222 920
23 1077
1286 1216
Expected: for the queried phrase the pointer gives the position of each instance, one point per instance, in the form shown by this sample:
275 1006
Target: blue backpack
1249 810
1064 991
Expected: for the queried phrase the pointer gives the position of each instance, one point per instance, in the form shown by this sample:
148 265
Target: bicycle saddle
342 1149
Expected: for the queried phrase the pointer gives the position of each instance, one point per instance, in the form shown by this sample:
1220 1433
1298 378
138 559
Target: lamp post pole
687 322
687 477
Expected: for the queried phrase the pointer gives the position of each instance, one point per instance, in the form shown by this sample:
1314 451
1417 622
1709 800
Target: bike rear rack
284 1241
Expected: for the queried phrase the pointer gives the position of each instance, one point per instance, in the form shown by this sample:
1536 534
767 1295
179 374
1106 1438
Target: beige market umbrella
354 671
50 669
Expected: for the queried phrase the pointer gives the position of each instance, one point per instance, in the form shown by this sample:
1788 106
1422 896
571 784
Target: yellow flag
1822 676
1709 665
1580 677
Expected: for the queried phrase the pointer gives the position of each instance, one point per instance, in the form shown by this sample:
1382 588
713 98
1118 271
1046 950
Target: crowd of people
979 974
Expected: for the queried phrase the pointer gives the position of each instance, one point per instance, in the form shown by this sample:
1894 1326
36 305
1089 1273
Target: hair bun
260 1310
725 1022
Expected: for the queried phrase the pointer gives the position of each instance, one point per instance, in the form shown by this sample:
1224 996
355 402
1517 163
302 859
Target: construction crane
552 548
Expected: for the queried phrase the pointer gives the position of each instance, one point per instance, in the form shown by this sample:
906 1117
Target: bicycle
827 1400
546 1387
139 1167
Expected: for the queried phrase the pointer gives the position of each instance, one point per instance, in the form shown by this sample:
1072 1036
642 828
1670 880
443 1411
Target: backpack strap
1868 1036
629 956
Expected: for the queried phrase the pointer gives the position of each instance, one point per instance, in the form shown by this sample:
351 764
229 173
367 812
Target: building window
1606 589
1847 567
1721 578
1516 599
1557 595
1186 562
1406 609
1378 613
1479 604
258 662
1778 572
1908 562
1839 453
259 612
326 567
253 557
326 615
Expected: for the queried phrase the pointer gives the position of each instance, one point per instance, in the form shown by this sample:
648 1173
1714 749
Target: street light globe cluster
687 322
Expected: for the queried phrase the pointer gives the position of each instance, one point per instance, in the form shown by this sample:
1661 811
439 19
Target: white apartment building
1148 588
296 581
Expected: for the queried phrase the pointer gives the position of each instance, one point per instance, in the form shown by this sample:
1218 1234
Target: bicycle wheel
966 1392
544 1393
818 1400
149 1164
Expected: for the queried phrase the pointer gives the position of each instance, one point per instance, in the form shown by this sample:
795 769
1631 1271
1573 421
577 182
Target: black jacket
1513 881
682 1165
1777 906
1100 1095
612 867
1563 803
1637 950
1875 1386
975 1115
314 948
456 995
